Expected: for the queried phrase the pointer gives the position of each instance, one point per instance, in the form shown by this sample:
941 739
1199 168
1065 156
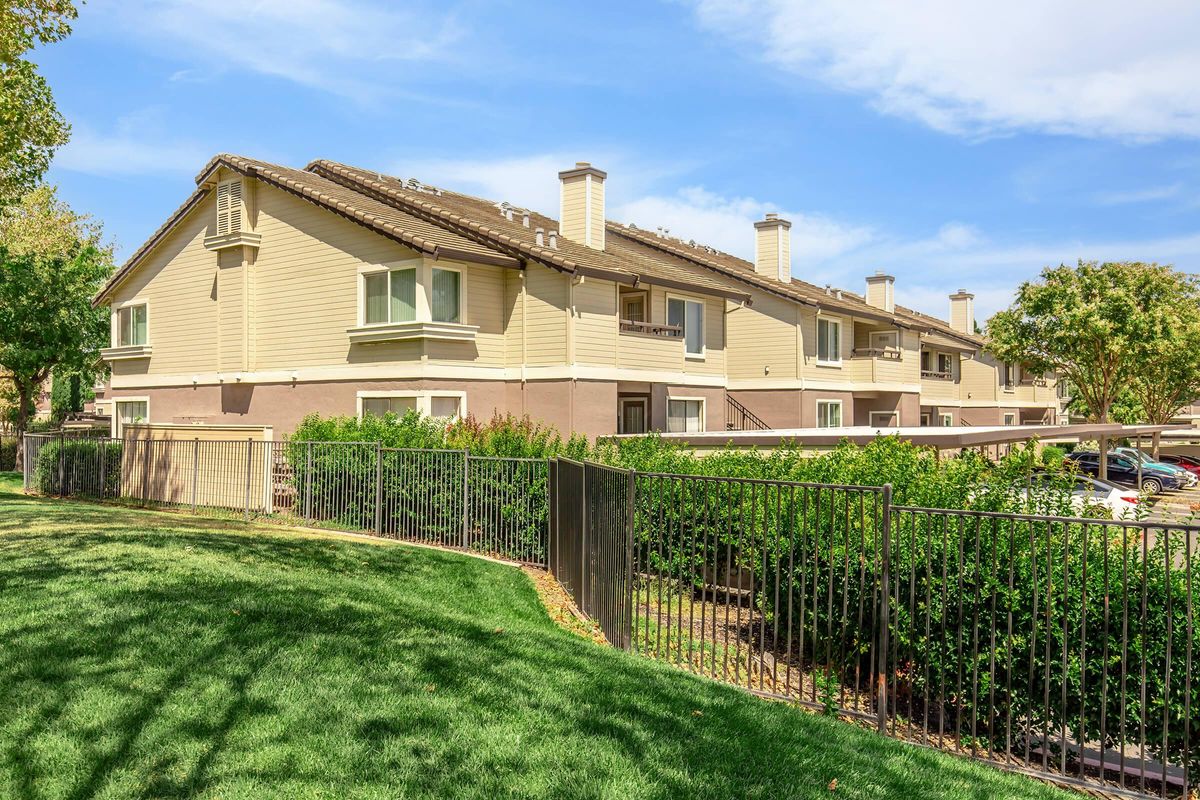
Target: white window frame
423 397
703 412
644 402
462 292
685 299
117 430
390 267
946 420
1009 415
926 419
115 334
836 322
831 403
938 356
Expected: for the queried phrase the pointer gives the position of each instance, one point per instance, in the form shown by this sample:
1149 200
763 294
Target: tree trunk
21 424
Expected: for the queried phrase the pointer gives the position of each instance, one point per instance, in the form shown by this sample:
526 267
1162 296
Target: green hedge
89 468
8 453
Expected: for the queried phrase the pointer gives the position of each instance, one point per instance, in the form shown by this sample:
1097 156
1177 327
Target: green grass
156 655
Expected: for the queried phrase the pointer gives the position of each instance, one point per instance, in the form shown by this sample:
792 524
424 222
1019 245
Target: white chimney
881 291
581 210
773 248
962 311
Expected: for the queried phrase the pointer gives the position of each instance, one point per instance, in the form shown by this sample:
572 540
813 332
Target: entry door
632 418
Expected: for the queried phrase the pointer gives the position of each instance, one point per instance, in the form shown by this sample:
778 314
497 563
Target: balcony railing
889 353
651 328
936 375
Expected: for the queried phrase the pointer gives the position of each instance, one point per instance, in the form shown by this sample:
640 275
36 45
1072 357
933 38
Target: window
926 419
1010 418
445 407
689 315
229 207
685 416
1008 375
445 297
926 361
947 420
885 340
390 297
633 307
829 413
381 406
130 412
131 325
829 341
945 363
438 404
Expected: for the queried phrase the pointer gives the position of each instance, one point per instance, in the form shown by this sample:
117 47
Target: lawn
155 655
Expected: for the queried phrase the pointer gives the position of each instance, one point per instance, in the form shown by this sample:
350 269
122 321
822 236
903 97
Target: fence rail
1058 646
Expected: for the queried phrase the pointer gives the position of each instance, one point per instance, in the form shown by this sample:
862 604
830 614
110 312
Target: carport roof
942 438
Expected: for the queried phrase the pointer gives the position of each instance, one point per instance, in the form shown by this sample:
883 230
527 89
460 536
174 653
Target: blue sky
951 145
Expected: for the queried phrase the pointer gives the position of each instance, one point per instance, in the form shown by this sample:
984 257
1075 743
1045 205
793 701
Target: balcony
886 353
933 374
650 329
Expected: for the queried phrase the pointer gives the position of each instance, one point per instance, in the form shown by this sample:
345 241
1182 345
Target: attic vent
229 207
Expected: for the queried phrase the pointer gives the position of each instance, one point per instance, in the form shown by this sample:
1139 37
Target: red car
1190 463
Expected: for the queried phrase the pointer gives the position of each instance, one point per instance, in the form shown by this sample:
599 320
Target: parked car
1123 471
1190 463
1044 495
1148 461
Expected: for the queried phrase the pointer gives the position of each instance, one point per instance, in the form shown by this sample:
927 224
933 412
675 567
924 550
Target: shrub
88 467
8 453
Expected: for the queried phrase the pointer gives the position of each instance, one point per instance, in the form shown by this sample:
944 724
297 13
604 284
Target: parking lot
1182 505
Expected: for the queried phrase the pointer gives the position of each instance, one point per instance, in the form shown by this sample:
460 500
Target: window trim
389 268
837 322
115 424
424 398
640 294
462 293
685 299
703 416
117 308
1004 419
946 420
841 412
1005 384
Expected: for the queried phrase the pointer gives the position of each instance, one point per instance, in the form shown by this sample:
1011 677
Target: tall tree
47 321
1095 324
31 128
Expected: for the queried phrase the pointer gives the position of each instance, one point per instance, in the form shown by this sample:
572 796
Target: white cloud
1132 196
526 181
1086 67
728 223
348 47
137 145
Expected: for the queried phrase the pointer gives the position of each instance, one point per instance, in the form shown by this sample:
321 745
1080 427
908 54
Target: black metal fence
1056 646
449 498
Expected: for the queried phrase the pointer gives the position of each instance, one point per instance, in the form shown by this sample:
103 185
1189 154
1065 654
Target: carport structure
947 439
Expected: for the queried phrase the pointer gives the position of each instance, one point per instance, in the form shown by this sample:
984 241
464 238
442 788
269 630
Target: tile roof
485 219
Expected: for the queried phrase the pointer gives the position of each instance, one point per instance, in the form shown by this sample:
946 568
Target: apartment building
273 292
803 356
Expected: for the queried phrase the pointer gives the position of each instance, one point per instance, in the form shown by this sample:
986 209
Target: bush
89 468
8 453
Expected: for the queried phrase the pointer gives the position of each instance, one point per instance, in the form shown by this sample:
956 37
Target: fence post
552 516
62 459
308 481
249 469
627 632
885 613
195 471
466 497
585 604
379 488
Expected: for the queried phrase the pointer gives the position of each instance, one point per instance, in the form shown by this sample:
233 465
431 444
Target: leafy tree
31 128
47 321
1096 324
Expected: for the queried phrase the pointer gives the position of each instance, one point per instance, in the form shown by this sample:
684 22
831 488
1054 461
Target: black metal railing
740 418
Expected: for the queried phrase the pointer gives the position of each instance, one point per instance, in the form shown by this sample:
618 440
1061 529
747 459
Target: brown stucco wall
779 408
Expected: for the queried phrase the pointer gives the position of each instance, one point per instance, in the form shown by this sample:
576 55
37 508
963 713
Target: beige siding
178 280
546 322
597 213
979 379
595 322
514 305
573 218
762 339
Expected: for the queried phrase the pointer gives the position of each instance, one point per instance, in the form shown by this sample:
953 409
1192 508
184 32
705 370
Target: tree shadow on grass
177 661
